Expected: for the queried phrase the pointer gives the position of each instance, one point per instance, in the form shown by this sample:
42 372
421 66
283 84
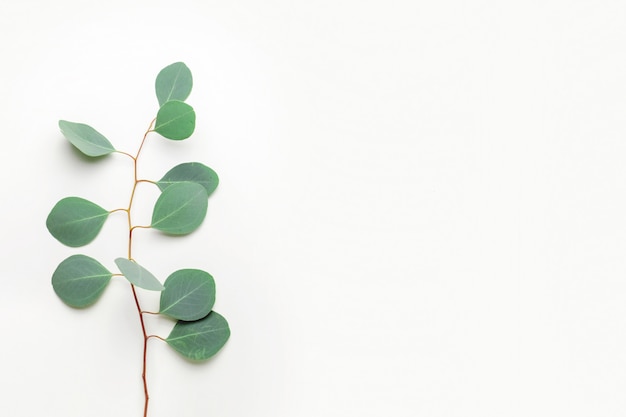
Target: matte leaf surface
174 82
80 280
190 172
138 275
75 221
180 208
86 138
189 295
201 339
175 120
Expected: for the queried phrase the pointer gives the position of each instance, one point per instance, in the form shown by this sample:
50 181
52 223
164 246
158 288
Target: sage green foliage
175 120
80 280
199 340
190 172
138 275
75 221
174 82
180 208
86 138
188 295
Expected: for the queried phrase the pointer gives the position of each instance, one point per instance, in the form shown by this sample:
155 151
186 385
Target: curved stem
141 227
144 140
126 153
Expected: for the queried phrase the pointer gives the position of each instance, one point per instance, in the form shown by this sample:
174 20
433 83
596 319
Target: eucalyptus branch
187 296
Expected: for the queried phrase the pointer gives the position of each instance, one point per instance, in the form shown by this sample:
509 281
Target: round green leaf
190 172
175 120
80 280
174 82
86 138
138 275
75 221
180 209
189 295
199 340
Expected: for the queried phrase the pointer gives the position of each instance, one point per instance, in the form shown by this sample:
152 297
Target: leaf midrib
185 296
180 67
172 120
102 141
86 277
188 202
141 277
169 339
83 219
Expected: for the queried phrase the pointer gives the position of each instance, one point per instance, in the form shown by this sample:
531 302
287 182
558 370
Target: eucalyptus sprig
187 295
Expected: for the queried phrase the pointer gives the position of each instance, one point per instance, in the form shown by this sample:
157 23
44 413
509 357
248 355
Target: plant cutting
187 295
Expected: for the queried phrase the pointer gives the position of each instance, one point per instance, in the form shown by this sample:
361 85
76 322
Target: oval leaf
175 120
191 172
86 138
80 280
189 295
201 339
138 275
75 221
180 209
174 82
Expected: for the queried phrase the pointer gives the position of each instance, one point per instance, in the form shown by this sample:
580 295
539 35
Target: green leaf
201 339
138 275
190 172
174 82
175 120
80 280
180 209
189 295
86 138
75 221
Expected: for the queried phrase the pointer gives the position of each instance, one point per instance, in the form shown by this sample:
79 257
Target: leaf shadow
81 156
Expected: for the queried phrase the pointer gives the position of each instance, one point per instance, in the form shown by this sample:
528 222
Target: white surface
421 209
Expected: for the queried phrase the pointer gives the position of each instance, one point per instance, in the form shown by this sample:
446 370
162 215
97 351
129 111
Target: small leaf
190 172
189 295
180 209
80 280
86 138
138 275
201 339
175 120
75 221
174 82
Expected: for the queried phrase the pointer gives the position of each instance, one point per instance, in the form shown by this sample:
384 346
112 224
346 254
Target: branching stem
131 228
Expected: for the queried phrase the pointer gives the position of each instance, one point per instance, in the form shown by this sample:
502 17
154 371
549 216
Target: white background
421 209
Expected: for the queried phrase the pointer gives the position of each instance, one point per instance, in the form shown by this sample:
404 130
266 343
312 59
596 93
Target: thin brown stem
144 139
145 352
127 154
131 228
141 227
